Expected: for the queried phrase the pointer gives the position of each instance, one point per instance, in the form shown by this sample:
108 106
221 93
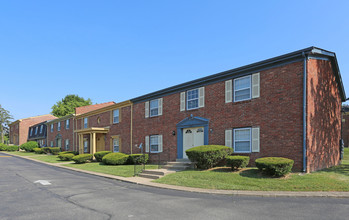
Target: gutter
304 112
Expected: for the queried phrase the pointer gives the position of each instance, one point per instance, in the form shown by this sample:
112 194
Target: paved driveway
73 195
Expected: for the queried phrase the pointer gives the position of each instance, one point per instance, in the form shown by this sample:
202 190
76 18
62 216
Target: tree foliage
5 119
68 104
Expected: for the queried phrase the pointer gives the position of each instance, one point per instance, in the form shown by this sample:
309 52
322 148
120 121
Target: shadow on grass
340 169
254 173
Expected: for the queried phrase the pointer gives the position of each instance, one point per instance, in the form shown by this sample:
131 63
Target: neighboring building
38 133
60 132
345 125
107 128
257 110
19 129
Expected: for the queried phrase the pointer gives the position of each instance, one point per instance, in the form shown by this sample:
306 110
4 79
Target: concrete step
175 167
183 160
154 172
149 176
179 163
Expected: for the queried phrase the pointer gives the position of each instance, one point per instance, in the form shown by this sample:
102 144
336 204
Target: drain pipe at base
304 113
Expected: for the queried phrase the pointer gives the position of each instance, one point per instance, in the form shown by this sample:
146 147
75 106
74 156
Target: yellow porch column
91 144
94 143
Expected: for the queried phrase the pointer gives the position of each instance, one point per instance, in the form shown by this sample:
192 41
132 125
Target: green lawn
332 179
48 158
22 153
120 170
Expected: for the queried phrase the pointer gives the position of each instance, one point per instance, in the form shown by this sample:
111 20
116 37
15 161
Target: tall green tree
5 120
68 104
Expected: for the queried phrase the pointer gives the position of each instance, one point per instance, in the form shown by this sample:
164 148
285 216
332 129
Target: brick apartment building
38 133
287 106
60 132
19 128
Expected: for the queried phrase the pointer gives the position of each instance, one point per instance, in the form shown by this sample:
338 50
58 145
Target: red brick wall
323 116
24 125
122 128
278 112
14 134
65 133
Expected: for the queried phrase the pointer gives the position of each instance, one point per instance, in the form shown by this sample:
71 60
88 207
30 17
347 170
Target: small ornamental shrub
115 159
29 146
69 152
66 157
11 148
274 166
55 150
2 147
46 150
38 150
237 162
82 158
137 159
208 156
99 155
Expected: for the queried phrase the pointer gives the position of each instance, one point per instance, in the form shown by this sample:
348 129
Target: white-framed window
242 140
85 145
41 128
116 114
154 143
31 131
51 128
85 122
193 99
36 130
154 107
242 88
67 125
51 144
116 146
58 126
66 144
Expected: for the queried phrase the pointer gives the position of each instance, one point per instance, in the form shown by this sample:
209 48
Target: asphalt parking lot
66 194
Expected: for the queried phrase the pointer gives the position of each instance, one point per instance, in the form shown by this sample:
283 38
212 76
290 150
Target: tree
5 118
68 104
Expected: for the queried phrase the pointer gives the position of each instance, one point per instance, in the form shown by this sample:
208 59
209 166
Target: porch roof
92 130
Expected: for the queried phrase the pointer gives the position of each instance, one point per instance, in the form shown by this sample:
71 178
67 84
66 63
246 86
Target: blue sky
117 50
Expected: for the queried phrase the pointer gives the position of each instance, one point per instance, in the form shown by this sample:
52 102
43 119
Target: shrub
274 166
55 150
46 150
66 157
115 159
208 156
99 155
29 146
82 158
38 150
137 158
11 148
2 147
237 162
69 152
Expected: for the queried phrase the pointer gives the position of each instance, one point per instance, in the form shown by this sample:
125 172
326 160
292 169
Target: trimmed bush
208 156
82 158
46 150
66 157
38 150
2 147
99 155
11 148
115 159
69 152
274 166
237 162
55 150
137 158
29 146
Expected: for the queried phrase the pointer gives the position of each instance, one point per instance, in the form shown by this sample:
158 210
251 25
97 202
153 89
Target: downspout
131 128
73 134
304 112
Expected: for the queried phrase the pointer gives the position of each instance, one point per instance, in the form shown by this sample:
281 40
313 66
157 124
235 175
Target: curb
147 182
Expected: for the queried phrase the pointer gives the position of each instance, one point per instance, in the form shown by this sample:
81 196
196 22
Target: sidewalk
147 182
